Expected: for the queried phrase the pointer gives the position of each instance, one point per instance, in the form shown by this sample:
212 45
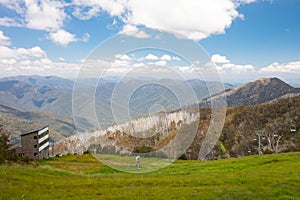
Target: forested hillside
278 122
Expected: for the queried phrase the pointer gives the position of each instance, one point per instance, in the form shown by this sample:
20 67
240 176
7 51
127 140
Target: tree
4 146
274 133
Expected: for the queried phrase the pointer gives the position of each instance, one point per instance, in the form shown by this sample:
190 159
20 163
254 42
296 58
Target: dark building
34 144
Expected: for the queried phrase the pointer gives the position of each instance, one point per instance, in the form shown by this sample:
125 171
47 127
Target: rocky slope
163 133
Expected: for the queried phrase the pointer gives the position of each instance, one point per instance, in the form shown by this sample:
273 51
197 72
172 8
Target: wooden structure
34 144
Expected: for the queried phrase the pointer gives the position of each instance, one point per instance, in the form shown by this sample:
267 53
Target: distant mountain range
16 122
49 81
45 98
54 94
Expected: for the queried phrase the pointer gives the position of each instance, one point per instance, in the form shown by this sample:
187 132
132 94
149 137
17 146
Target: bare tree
274 132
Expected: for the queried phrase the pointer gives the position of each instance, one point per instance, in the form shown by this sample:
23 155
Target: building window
35 146
35 137
35 154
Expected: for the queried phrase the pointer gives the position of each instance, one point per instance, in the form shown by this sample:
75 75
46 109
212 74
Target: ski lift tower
259 134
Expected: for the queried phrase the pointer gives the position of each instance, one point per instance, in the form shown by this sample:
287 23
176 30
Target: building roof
33 131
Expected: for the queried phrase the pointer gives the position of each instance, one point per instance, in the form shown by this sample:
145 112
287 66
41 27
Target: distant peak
264 80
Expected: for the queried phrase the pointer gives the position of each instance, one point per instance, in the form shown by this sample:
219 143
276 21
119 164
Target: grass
128 163
83 177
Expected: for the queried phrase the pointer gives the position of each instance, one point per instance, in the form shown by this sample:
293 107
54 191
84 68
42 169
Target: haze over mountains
50 81
52 96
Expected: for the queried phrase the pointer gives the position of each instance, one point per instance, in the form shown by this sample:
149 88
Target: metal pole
259 134
259 151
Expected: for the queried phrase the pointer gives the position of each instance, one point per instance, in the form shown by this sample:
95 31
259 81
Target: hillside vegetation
83 177
238 138
268 113
30 102
277 121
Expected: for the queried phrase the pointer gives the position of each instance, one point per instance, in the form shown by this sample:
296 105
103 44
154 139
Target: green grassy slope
83 177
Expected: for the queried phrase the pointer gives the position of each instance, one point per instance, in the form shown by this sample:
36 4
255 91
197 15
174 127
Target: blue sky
268 33
247 39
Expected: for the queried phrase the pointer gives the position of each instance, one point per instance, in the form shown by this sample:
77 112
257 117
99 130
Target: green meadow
84 177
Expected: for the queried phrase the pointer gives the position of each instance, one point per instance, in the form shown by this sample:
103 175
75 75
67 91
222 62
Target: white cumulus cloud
122 57
134 31
21 53
234 68
193 19
166 57
86 9
291 67
28 61
8 21
225 66
186 69
47 15
4 40
160 63
245 1
44 15
64 38
217 58
151 57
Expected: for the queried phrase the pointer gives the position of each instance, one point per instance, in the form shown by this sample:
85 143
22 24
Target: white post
259 134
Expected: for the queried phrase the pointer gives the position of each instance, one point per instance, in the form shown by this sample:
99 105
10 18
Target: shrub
183 157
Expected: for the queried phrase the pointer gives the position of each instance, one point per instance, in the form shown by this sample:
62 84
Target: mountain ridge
50 81
24 99
262 90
